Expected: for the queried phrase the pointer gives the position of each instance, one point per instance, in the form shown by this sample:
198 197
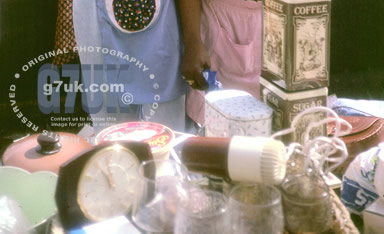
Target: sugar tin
287 105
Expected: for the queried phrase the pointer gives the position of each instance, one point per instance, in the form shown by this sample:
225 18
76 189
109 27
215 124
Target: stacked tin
295 64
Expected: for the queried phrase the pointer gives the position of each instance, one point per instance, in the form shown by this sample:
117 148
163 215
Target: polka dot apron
132 15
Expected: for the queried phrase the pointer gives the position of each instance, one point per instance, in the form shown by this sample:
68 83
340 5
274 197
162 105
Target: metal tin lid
238 105
290 96
159 137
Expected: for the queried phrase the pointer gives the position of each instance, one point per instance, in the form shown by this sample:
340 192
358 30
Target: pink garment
231 30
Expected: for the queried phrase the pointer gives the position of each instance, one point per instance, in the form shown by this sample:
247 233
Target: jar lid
159 137
238 105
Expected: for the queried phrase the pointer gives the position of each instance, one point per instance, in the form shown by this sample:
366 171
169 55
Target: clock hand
107 175
110 178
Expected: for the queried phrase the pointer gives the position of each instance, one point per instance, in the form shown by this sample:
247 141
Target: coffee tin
296 43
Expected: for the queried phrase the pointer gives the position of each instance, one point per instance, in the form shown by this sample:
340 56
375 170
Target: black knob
48 143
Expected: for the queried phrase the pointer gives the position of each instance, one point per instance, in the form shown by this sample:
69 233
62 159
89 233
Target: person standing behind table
225 36
147 31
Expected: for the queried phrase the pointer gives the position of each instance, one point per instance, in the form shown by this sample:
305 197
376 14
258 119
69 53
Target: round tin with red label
159 137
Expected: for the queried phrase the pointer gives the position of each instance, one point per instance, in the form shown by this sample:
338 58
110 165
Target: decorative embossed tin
296 41
287 105
235 112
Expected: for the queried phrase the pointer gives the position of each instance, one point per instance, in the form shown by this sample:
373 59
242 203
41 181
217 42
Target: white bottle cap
256 159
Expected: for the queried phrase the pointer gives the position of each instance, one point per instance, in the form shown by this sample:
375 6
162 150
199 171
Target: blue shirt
151 56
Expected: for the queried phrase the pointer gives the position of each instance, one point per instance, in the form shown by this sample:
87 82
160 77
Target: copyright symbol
127 98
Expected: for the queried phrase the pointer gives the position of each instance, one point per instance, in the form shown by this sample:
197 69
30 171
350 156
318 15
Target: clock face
107 183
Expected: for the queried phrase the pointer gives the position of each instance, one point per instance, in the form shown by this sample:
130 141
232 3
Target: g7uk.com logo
94 82
77 87
97 89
